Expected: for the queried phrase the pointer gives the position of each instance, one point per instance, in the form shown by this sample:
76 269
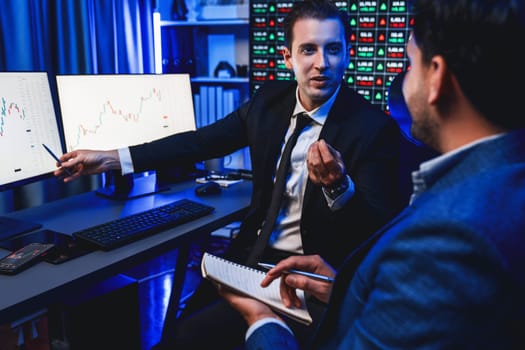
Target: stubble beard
425 129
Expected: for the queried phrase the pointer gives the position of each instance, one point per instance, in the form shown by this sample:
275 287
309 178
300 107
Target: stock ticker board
380 32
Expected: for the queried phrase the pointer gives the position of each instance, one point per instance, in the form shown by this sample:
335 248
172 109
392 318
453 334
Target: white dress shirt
287 235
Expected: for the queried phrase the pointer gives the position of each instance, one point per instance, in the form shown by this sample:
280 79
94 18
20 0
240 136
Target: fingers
321 290
288 294
324 163
314 163
76 169
250 309
290 282
309 263
69 160
68 157
282 267
70 168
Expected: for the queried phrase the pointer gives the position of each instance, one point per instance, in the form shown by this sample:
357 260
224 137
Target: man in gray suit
448 271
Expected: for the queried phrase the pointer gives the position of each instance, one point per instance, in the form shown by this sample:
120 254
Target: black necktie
278 189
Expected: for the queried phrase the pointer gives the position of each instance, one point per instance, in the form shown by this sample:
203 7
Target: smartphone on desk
24 257
65 247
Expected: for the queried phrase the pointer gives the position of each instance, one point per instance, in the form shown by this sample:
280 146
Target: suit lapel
278 119
336 116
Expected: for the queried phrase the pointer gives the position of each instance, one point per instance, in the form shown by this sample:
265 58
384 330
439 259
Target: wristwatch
337 188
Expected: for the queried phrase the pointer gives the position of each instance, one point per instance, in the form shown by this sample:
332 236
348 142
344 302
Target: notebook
247 280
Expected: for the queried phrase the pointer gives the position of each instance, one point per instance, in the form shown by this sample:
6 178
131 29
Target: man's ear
437 79
287 56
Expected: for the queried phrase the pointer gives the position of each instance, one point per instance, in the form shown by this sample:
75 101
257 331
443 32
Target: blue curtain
72 37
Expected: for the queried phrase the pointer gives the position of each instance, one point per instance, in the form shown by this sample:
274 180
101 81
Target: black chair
412 151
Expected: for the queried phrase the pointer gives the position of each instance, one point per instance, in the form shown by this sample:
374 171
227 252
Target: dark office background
72 37
116 36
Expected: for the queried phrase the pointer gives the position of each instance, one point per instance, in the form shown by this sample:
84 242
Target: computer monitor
27 122
111 111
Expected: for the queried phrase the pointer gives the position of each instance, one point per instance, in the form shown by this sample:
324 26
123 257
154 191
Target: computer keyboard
131 228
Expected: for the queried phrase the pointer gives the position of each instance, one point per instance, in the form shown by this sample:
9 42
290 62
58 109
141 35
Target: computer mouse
208 188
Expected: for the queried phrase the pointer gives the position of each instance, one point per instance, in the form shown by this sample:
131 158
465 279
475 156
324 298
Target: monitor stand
119 187
10 227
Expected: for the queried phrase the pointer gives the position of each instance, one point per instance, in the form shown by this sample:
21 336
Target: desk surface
45 284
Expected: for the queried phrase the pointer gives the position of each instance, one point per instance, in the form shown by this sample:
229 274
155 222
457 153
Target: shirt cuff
264 321
338 202
126 164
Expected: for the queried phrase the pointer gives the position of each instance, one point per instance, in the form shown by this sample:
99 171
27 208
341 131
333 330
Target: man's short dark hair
480 46
316 9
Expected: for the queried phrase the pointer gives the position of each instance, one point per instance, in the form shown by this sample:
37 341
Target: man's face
415 92
318 57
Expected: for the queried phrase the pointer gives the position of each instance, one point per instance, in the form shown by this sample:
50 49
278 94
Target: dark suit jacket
367 138
446 273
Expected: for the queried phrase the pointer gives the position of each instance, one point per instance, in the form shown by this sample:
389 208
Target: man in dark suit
343 182
448 271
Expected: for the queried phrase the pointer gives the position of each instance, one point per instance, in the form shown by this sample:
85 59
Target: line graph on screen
27 119
112 111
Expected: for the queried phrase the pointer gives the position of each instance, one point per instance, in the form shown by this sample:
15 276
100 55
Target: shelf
224 22
234 80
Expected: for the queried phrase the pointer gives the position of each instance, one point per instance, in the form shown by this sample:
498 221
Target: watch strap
338 188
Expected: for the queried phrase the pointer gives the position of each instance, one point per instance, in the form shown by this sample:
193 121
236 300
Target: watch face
338 188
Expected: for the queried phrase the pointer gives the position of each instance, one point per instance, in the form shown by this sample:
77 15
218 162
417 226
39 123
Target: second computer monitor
104 112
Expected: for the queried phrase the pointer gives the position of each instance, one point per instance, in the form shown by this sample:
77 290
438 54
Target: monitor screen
380 31
27 122
104 112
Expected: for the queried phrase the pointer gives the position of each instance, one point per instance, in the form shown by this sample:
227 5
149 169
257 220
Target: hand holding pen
293 271
57 159
315 276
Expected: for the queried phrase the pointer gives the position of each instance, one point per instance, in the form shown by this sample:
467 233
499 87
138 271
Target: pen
56 158
304 273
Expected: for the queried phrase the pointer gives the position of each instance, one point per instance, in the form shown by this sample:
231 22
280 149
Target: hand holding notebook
247 281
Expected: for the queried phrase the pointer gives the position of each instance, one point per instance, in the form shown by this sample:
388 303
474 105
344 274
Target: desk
45 284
